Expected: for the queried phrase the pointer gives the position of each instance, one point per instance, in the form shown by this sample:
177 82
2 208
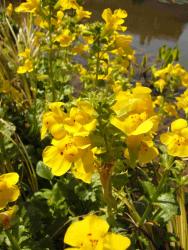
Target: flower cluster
171 76
135 117
71 145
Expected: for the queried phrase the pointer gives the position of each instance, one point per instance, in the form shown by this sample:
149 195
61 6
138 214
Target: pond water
151 23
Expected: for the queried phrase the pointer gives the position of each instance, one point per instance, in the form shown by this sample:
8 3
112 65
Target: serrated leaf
43 171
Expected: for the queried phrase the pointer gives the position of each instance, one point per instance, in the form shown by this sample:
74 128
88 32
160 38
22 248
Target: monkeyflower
9 191
141 148
176 141
136 124
81 13
52 121
67 4
182 101
65 38
71 151
171 73
114 21
134 111
28 65
136 100
7 216
30 6
79 121
91 233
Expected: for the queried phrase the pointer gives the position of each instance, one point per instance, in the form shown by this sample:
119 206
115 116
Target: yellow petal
143 128
167 138
9 178
114 241
55 159
80 173
178 125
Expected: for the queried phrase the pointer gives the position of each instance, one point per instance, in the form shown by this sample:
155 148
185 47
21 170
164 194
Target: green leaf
43 171
149 189
168 206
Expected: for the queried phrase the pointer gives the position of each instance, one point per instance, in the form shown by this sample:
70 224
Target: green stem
97 62
182 220
13 241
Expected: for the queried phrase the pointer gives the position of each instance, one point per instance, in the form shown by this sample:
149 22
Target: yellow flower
136 124
182 101
81 120
172 72
141 148
52 121
42 23
30 6
81 13
67 4
27 67
161 83
25 54
137 100
9 10
65 38
7 216
67 152
122 45
114 20
91 233
176 141
9 192
60 15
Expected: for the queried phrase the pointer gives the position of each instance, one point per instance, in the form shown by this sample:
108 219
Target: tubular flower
81 120
70 151
141 148
27 67
160 84
182 101
176 141
91 233
136 124
122 45
30 6
134 112
65 38
81 13
114 21
52 121
67 4
9 192
175 74
137 100
7 216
